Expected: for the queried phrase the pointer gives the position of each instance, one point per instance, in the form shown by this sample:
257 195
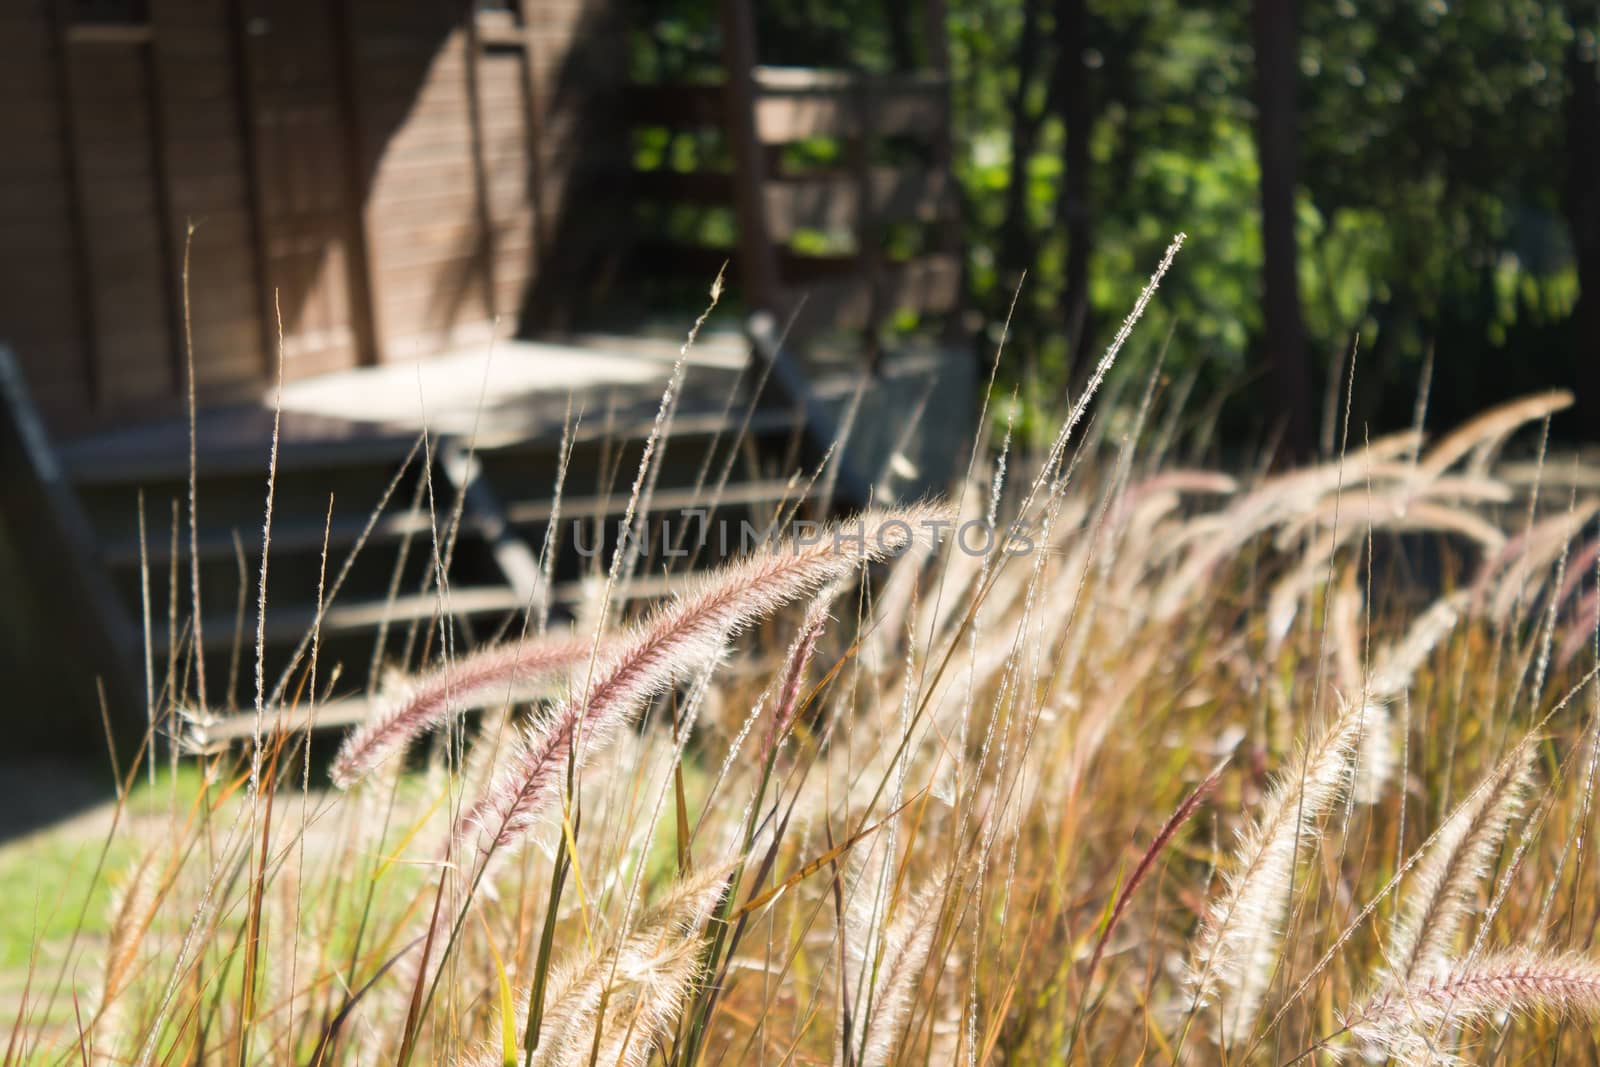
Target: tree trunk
1016 245
1582 115
1289 378
1077 118
901 50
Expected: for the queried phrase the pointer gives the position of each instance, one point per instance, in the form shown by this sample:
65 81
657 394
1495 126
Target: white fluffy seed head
1237 950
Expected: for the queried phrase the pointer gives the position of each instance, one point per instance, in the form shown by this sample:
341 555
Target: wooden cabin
381 176
360 184
388 180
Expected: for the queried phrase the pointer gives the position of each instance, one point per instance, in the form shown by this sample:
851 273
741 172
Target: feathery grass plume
1407 1023
1375 761
1387 491
794 671
1585 621
679 638
1237 948
1397 664
1344 608
1168 487
431 700
643 977
1313 570
1446 881
1210 541
132 908
906 946
1529 555
1483 432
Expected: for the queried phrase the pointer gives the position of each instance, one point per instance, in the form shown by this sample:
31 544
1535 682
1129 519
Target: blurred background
474 219
1423 174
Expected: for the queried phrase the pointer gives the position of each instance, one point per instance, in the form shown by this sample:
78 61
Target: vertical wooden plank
244 101
363 281
110 101
537 196
88 331
480 182
206 185
292 60
161 178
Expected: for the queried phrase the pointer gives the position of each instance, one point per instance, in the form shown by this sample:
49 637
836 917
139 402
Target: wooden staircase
396 512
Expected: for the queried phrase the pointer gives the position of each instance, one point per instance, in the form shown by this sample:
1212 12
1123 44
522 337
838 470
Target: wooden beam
792 103
135 33
833 201
51 526
800 102
821 201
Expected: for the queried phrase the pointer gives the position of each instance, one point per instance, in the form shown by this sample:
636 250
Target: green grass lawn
47 878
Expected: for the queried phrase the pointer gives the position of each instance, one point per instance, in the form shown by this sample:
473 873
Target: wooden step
306 534
662 502
230 444
291 623
236 442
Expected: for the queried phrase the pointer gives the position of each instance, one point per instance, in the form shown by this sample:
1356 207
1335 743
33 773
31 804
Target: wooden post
758 266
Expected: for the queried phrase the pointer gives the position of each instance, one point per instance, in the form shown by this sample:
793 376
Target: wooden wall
206 170
473 133
466 137
110 90
114 141
511 181
422 223
583 155
38 272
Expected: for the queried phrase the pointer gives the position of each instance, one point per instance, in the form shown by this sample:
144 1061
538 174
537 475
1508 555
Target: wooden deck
496 395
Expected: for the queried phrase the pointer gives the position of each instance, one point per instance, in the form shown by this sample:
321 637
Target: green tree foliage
1431 149
1436 210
